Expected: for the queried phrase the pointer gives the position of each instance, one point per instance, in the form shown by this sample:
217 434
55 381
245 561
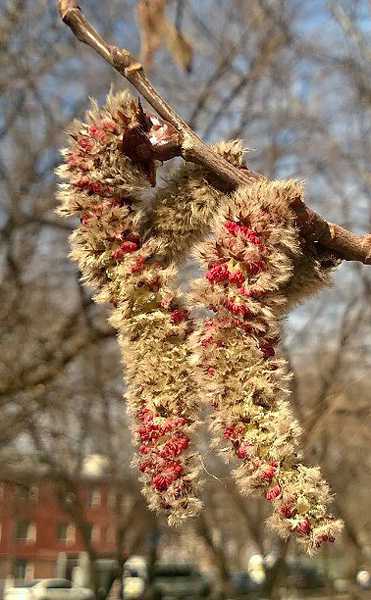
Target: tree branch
331 237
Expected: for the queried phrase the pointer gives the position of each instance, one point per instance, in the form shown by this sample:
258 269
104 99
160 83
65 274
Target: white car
48 589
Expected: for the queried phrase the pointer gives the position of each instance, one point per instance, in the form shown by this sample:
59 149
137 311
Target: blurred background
293 79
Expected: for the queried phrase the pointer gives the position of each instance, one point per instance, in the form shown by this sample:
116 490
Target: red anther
232 227
269 472
76 161
175 446
178 315
146 466
97 133
244 451
86 217
240 229
125 248
256 267
207 341
145 415
273 493
237 309
218 274
85 143
236 278
149 432
82 183
287 510
173 424
163 480
233 432
138 266
109 125
304 527
96 188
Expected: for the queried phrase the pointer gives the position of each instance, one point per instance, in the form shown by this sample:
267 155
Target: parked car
294 575
243 585
47 589
363 579
134 586
304 576
179 581
135 578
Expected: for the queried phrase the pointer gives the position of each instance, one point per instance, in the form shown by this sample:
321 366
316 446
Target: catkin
105 189
256 266
251 262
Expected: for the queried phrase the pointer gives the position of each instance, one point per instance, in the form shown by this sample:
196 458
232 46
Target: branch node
137 66
65 6
125 62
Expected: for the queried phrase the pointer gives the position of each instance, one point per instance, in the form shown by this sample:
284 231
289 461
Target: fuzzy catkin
184 209
181 213
251 265
256 269
103 187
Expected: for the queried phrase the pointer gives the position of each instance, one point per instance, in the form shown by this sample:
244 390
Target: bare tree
302 100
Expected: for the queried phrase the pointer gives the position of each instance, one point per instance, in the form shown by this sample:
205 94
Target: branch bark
330 237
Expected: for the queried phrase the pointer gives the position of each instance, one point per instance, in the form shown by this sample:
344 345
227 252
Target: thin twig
345 244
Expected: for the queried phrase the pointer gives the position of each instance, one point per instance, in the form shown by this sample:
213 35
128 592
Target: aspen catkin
250 263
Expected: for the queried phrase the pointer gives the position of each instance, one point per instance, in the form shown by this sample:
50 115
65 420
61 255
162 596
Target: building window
29 572
95 534
20 565
23 569
70 498
111 500
27 493
94 498
62 532
34 493
21 492
25 531
71 534
66 533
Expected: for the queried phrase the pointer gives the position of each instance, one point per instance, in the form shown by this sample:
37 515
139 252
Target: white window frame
70 534
95 498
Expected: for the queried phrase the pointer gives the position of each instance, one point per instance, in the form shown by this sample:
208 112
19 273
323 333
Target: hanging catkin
103 187
251 265
129 248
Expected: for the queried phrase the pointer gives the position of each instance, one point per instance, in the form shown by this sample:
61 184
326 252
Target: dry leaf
178 46
156 31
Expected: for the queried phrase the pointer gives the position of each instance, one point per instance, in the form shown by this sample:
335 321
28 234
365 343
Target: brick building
35 530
